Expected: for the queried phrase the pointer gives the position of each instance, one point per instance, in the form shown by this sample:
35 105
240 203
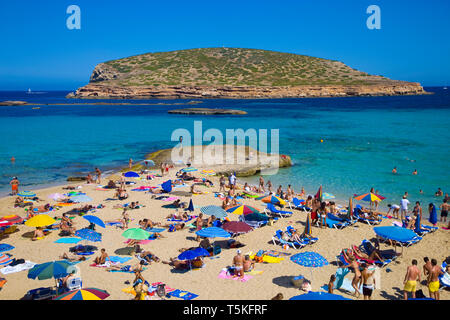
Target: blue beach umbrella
216 211
48 270
88 234
5 247
27 194
309 259
433 216
81 198
192 254
94 220
191 206
167 186
395 233
213 232
131 174
319 296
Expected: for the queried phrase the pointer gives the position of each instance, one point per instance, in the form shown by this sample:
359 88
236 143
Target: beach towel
181 220
68 240
274 253
268 259
17 268
224 275
5 247
170 199
140 241
254 272
130 271
153 230
116 259
113 223
185 295
152 290
5 259
105 265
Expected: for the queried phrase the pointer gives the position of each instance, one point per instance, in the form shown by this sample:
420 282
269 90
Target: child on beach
331 283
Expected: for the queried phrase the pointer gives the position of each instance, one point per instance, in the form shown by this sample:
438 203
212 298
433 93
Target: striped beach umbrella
40 220
189 169
5 223
308 230
319 194
273 199
5 259
243 210
208 172
136 234
369 197
216 211
84 294
27 194
13 218
327 196
48 270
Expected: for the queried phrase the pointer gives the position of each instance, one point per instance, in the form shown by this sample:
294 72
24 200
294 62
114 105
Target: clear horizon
41 53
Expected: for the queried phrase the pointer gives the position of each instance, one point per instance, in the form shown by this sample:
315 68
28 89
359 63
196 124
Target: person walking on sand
368 282
355 282
222 182
14 186
161 167
427 267
444 210
410 281
130 163
99 175
433 280
122 181
404 207
238 263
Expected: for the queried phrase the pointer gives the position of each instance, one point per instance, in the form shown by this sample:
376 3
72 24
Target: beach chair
430 228
41 294
277 239
368 261
341 259
331 223
306 240
271 209
367 247
298 204
444 280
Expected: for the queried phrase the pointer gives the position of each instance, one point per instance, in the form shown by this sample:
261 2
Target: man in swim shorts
238 263
14 186
411 277
368 282
444 210
433 280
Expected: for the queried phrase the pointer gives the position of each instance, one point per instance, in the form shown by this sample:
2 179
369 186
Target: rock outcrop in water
234 73
207 111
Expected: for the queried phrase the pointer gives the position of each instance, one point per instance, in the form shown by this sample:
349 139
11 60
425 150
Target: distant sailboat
29 90
445 88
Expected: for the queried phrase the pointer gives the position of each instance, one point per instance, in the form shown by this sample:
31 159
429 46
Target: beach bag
419 294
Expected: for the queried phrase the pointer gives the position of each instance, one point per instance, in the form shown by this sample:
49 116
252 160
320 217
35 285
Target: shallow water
363 139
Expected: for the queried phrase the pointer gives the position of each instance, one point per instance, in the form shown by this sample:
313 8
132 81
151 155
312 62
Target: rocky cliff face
98 90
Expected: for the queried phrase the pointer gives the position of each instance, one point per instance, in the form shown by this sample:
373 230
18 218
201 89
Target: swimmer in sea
415 172
394 171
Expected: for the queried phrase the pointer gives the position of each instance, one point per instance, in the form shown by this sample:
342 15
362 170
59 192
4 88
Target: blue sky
38 51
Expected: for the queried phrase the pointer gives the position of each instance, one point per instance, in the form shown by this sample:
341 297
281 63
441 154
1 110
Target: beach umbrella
136 234
88 234
208 172
309 259
131 174
308 230
213 232
319 194
236 227
273 199
40 220
5 223
81 198
5 259
167 186
243 210
327 196
433 216
5 247
395 233
150 163
319 296
27 194
216 211
13 218
94 220
48 270
189 169
370 197
56 196
84 294
255 217
191 206
192 254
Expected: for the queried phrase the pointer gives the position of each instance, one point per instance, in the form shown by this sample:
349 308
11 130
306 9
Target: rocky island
234 73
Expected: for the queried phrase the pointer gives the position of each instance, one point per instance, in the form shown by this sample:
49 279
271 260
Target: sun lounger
367 246
444 279
368 261
298 204
306 240
41 294
277 238
271 209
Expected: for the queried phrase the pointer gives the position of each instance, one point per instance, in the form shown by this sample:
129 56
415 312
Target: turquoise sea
363 139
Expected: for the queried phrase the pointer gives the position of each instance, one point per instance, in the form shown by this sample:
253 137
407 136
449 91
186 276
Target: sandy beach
275 277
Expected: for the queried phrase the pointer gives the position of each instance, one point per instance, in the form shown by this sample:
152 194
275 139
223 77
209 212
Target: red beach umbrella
236 227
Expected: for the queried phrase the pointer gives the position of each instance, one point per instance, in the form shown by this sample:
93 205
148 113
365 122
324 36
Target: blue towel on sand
68 240
155 230
185 295
115 259
5 247
113 223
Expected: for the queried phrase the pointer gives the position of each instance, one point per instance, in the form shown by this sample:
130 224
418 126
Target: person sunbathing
178 216
248 263
177 264
126 268
177 226
43 208
149 257
102 258
19 202
194 191
374 255
66 228
111 185
65 256
210 221
38 234
147 223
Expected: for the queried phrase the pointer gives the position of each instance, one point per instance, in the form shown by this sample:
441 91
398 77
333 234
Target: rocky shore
103 91
207 111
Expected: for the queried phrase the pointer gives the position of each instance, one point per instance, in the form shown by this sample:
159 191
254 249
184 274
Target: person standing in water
13 160
394 171
415 172
130 163
444 210
99 175
14 186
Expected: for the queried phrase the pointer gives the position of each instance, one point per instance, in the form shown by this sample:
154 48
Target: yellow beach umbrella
41 220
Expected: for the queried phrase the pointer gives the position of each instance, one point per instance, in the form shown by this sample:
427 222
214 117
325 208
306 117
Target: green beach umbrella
136 234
